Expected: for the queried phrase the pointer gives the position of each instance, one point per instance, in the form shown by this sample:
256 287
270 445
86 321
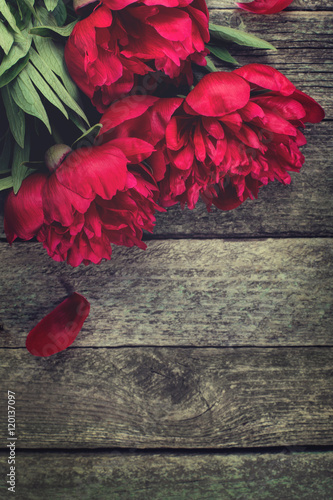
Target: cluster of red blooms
233 133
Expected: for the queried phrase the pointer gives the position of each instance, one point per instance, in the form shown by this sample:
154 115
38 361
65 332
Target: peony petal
199 143
168 3
135 150
265 6
276 124
183 159
148 44
266 77
171 24
125 109
24 210
286 106
81 49
218 94
250 111
59 203
144 117
198 10
158 164
160 115
59 328
213 127
96 170
175 137
314 112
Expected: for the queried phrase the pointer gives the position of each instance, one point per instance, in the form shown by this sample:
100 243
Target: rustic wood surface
302 5
123 476
273 292
213 342
175 398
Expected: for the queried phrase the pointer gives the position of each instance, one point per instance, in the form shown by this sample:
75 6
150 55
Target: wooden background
204 370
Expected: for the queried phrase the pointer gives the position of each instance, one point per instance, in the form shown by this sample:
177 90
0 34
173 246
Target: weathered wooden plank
286 30
110 476
200 293
296 5
303 208
178 398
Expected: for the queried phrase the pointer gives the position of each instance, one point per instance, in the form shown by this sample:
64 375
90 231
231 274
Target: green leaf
45 18
53 81
12 73
4 9
30 5
6 38
77 120
20 47
239 37
60 13
6 183
210 65
53 56
90 133
15 115
20 171
22 15
50 4
5 154
45 89
51 31
222 53
27 98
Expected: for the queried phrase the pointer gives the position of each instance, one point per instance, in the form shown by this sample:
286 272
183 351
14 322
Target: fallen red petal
265 6
59 328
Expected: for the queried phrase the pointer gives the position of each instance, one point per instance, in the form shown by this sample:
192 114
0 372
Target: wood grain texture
178 398
287 30
110 476
301 5
204 293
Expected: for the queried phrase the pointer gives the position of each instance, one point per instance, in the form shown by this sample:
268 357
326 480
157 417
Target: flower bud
56 155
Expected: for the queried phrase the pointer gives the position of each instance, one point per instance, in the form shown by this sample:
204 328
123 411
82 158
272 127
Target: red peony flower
265 6
234 133
144 117
117 43
95 196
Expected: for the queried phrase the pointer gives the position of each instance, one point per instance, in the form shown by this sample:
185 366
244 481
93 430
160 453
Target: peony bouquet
114 109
